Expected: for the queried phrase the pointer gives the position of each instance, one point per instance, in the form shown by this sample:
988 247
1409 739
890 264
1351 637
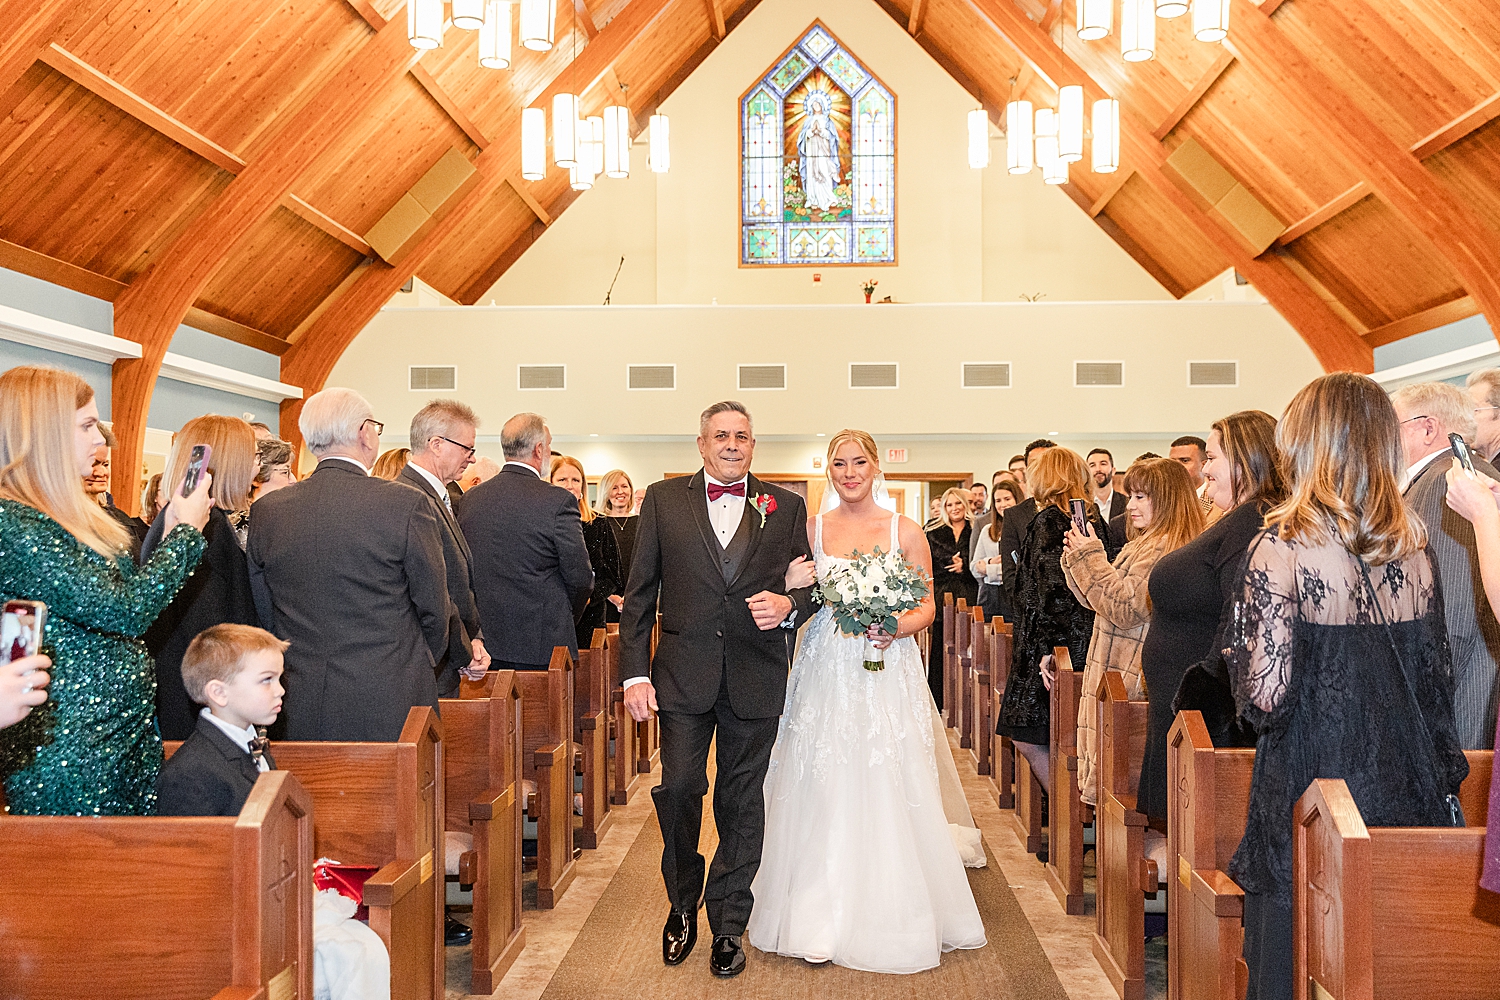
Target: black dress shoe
455 932
728 958
678 936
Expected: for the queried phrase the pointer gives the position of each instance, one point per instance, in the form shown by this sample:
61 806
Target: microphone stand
613 280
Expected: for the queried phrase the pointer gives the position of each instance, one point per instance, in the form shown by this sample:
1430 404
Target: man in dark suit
1484 391
442 446
1013 530
1111 502
711 554
350 570
1429 412
532 575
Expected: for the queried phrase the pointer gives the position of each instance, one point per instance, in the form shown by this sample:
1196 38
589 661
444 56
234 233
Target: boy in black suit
234 671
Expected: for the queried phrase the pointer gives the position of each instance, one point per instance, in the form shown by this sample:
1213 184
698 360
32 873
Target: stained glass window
818 160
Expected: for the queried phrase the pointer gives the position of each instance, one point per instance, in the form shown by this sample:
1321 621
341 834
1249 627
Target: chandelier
491 18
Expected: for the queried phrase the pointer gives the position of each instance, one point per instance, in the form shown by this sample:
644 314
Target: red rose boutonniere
764 504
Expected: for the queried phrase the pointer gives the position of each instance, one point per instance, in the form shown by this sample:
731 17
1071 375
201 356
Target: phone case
21 629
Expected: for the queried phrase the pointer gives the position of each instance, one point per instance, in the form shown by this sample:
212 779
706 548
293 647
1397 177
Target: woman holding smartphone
91 748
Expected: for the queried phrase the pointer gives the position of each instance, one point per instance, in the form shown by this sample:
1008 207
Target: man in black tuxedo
532 575
442 446
1013 531
349 569
711 554
1111 502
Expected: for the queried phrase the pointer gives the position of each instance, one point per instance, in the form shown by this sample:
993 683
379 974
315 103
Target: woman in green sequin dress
92 748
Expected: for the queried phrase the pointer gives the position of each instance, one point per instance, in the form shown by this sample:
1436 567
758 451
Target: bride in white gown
867 830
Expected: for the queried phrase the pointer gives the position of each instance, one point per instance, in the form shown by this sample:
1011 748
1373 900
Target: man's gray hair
439 418
1449 405
332 418
728 406
1489 378
521 434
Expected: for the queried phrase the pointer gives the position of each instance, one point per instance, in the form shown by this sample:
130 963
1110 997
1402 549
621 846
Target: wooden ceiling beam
308 214
992 102
150 310
1053 14
30 26
229 329
1356 194
522 188
716 19
366 10
1428 319
914 23
585 20
1469 245
1194 95
1110 190
1472 120
450 107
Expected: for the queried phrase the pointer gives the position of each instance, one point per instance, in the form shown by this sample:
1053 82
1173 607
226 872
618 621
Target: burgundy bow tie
715 490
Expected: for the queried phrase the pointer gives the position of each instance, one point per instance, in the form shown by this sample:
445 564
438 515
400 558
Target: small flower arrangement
872 590
869 287
765 506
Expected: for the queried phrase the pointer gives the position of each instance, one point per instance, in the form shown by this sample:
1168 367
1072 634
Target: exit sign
895 455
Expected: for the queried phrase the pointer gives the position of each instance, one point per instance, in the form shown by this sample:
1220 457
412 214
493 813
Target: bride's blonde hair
861 438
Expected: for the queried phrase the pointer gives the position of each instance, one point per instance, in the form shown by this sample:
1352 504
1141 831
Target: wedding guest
262 431
390 463
1484 391
482 470
616 494
218 590
1102 493
1017 467
1428 412
949 542
1192 452
984 557
23 686
273 467
604 553
91 748
1193 591
1164 515
934 514
96 484
532 575
1014 529
349 569
152 499
1341 663
639 498
1047 613
980 499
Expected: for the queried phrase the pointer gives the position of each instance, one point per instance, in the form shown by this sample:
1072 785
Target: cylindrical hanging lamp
1166 9
581 174
1054 170
1210 20
565 130
1106 136
979 139
533 144
1137 30
1094 18
594 135
424 23
1070 123
494 35
538 18
660 154
1018 137
468 14
617 141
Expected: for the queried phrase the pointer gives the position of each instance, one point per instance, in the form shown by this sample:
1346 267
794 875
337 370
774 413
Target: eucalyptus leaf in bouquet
872 589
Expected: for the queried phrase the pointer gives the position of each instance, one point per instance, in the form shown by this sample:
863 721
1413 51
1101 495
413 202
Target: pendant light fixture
538 19
533 144
494 35
564 130
1167 9
581 174
1070 123
1137 30
1046 140
1210 20
616 141
424 23
979 139
1106 136
595 138
660 150
1094 19
1018 137
468 14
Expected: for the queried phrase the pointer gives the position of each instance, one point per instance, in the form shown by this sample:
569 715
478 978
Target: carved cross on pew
288 874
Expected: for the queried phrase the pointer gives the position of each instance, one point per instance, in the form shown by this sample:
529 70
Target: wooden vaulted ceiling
219 163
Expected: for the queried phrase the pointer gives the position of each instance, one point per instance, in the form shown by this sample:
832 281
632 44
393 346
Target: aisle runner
617 955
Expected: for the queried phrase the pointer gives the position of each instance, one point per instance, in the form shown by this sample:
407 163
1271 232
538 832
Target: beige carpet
617 954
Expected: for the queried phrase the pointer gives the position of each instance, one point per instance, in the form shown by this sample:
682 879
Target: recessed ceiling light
595 435
822 435
1054 432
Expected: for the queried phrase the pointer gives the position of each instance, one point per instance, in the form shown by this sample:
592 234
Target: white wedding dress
867 830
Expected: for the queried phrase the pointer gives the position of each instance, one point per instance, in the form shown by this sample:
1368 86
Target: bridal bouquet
872 589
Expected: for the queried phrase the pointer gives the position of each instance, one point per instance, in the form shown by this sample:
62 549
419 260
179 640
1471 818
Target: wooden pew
1033 780
1003 751
1391 912
968 633
1125 876
623 728
591 709
950 632
1066 814
547 760
165 908
1208 793
982 750
384 804
482 734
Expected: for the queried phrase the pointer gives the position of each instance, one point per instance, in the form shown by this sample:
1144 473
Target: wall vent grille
432 378
987 375
651 377
1213 373
874 375
1098 373
762 376
541 376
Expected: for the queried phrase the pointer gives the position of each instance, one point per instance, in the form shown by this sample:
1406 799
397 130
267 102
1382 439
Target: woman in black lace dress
616 499
1340 656
949 542
1047 612
604 553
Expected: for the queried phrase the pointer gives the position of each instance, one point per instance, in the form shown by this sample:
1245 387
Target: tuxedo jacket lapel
237 758
416 479
697 499
752 520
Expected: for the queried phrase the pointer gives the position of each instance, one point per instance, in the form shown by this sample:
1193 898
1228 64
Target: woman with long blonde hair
616 504
604 553
949 543
1340 659
91 748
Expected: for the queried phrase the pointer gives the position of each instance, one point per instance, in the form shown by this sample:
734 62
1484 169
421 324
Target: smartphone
1080 518
197 462
1461 452
21 629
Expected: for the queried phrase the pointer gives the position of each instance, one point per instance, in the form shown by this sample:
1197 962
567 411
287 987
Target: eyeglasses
379 427
1481 409
1410 419
455 444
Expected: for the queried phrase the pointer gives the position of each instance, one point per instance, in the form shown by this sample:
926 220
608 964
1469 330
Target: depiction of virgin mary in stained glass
817 135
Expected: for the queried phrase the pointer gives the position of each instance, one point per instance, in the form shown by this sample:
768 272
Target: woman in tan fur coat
1163 514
